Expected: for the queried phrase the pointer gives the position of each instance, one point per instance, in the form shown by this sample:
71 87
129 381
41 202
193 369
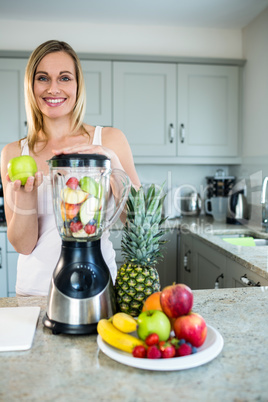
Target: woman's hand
31 184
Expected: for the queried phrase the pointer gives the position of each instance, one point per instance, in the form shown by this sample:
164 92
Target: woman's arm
20 204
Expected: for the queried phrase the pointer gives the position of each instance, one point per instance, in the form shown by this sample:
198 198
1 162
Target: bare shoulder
113 137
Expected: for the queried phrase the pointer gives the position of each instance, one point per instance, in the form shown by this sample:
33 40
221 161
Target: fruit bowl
207 352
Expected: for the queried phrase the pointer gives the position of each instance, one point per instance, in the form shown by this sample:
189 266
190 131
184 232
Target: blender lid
79 160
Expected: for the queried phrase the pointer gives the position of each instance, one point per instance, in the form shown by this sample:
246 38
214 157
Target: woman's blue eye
42 78
65 78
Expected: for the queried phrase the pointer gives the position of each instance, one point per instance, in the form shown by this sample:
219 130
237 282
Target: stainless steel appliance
238 210
81 290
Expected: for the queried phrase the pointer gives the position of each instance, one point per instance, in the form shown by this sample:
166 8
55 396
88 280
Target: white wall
255 112
255 108
123 39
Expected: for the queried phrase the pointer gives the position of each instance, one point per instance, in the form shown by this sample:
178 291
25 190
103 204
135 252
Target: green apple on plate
153 321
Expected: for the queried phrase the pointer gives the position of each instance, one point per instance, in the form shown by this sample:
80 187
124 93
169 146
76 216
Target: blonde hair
34 115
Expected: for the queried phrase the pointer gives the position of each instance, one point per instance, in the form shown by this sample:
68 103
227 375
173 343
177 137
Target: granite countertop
71 368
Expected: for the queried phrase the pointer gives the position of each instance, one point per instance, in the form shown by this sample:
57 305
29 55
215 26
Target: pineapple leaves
142 236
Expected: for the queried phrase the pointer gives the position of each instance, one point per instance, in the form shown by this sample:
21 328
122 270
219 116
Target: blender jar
82 196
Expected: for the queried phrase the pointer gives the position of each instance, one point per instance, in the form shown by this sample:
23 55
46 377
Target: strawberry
167 349
139 351
72 183
90 229
152 339
184 350
76 226
153 352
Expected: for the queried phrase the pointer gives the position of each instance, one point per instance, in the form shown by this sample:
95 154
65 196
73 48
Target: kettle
191 204
238 211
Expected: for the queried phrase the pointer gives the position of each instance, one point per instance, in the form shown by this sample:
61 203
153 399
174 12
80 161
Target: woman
55 107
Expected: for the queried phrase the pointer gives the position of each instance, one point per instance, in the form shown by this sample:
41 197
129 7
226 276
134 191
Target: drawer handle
186 260
171 133
182 133
248 282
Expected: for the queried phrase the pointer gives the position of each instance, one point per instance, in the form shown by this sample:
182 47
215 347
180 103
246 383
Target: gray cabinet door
208 98
97 75
12 110
187 270
144 106
239 276
210 265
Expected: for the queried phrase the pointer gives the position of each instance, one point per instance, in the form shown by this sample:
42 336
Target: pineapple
141 246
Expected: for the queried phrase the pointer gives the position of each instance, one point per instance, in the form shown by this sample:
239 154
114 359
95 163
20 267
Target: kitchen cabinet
203 267
144 106
200 266
98 76
208 114
177 110
187 272
238 276
210 266
170 112
8 267
12 110
167 268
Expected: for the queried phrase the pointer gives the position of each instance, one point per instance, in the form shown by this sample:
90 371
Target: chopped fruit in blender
73 196
76 226
72 183
88 209
69 211
89 185
90 229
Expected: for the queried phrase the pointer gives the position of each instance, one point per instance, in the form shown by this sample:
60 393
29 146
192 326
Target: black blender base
61 328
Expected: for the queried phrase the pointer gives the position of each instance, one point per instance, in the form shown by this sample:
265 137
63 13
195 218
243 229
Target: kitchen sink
247 240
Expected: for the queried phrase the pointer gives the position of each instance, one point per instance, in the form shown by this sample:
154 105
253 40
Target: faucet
264 203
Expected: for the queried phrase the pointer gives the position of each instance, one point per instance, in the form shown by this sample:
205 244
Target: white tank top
34 271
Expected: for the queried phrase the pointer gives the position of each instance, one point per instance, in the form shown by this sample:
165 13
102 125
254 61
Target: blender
88 197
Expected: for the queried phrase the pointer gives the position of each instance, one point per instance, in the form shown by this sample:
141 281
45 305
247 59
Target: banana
124 322
116 338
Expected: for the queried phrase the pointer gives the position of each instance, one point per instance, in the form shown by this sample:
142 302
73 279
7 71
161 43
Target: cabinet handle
249 282
182 133
0 258
186 260
171 133
217 281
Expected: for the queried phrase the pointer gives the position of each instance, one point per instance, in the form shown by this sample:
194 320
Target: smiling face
55 85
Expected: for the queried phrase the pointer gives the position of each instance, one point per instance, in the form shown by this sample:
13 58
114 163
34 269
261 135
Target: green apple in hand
153 321
21 167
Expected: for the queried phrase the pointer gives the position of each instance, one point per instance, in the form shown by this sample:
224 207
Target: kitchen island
72 368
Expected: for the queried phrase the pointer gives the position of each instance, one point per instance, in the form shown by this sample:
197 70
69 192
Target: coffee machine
81 290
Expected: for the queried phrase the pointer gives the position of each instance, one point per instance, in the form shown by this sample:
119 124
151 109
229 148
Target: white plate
207 352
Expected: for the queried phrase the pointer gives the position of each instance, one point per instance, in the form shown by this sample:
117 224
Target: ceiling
225 14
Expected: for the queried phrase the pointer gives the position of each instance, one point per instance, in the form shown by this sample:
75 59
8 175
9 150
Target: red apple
176 300
191 327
